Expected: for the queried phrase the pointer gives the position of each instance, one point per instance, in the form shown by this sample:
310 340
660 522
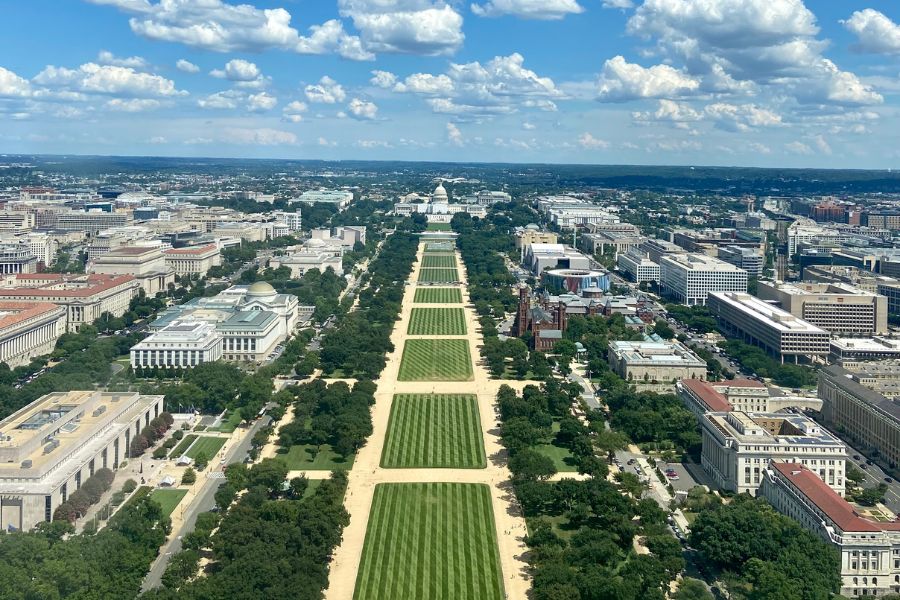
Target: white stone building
193 260
688 278
28 330
180 344
147 264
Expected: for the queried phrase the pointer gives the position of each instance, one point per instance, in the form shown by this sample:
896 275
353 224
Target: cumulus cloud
259 137
132 105
261 102
798 148
369 144
383 79
738 46
874 31
669 111
107 79
327 91
106 57
743 117
13 86
454 135
220 100
362 109
405 26
221 27
621 81
293 112
186 66
238 69
426 83
623 4
528 9
588 141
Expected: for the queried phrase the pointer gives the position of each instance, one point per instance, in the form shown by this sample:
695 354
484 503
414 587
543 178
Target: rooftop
192 249
773 316
700 262
12 312
63 286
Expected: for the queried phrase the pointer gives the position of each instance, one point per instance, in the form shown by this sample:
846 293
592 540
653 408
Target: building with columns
193 260
870 549
146 263
17 258
85 297
28 330
50 447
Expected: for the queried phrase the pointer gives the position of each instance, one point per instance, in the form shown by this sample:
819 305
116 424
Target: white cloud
186 66
829 84
369 144
261 102
362 109
238 69
157 139
220 27
545 105
383 79
132 104
405 26
260 137
327 91
758 148
743 117
623 4
588 141
220 100
528 9
454 135
822 144
325 142
107 79
449 107
106 57
798 148
293 112
13 86
875 31
621 81
669 111
528 126
426 83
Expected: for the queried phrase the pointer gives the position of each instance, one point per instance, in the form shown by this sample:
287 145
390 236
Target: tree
873 495
531 465
298 486
662 329
138 446
201 460
189 476
692 589
270 473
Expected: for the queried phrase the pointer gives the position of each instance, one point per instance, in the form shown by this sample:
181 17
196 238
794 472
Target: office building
540 257
688 278
85 297
799 232
869 419
854 276
758 323
744 395
314 254
616 242
838 308
532 234
17 258
891 291
656 249
147 264
346 237
737 448
53 445
88 222
637 266
864 349
16 220
883 219
654 361
748 259
180 344
340 199
28 330
293 220
869 548
193 260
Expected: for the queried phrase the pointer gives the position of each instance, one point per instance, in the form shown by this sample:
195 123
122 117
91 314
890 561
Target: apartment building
737 448
756 322
689 278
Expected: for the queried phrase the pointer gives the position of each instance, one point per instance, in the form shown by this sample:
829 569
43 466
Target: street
203 502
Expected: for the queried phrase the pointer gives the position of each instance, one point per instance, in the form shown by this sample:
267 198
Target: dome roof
315 243
260 288
533 227
439 191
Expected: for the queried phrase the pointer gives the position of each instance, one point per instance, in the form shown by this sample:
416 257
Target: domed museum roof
260 288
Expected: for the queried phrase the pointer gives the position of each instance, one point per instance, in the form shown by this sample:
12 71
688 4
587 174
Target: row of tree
330 414
757 361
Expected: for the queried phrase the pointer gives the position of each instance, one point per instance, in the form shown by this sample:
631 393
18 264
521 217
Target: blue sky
717 82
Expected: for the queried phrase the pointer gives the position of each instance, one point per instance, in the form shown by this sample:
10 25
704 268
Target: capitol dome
440 194
260 288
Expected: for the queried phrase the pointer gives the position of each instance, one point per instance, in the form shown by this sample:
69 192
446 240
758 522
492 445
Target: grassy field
434 431
208 444
168 499
437 321
438 295
562 458
436 360
439 260
229 422
304 457
428 541
186 441
438 227
432 275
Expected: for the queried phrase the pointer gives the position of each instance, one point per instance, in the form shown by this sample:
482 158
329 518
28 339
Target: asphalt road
203 502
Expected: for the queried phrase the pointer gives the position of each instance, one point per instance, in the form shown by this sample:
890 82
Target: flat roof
875 344
701 262
772 315
192 249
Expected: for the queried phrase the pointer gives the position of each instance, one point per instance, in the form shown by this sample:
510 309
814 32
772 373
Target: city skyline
715 82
